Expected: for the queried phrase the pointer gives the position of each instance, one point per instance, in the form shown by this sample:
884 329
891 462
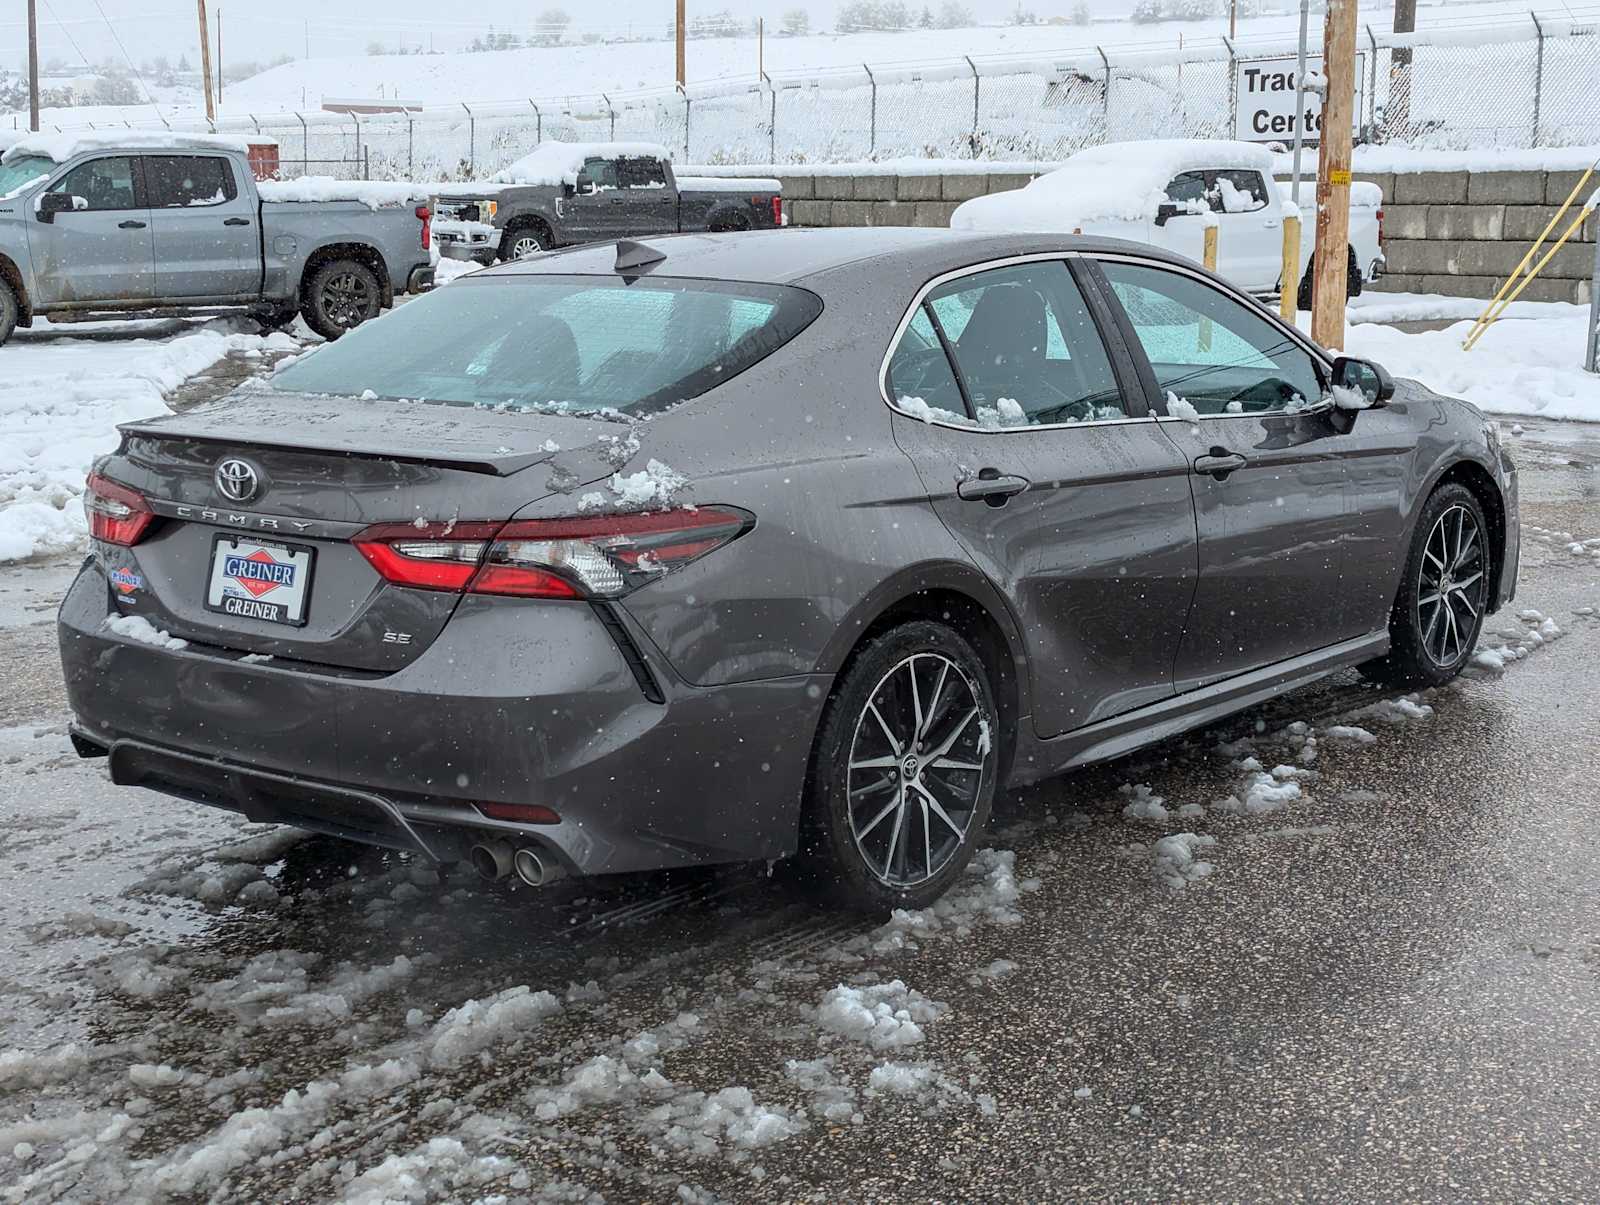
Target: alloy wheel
919 759
525 245
1451 586
345 300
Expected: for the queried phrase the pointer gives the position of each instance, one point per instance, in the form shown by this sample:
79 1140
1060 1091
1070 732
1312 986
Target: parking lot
1380 986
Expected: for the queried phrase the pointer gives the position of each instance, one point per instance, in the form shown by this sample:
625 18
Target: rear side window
1025 347
1210 351
1239 192
641 173
565 343
183 181
102 183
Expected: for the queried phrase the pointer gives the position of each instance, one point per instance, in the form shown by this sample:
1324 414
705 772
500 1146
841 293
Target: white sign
1264 99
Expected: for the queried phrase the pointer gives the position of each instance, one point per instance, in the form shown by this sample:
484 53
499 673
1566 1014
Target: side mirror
1362 378
52 203
585 186
1166 211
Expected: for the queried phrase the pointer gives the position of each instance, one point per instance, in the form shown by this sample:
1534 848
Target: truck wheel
342 294
521 241
8 311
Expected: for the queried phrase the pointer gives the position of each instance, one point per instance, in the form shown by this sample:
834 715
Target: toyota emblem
237 480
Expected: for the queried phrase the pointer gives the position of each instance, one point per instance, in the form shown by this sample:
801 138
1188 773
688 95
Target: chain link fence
1532 81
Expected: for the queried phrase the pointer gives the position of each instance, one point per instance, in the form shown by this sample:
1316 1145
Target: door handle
1219 463
130 225
992 486
1270 225
617 200
235 221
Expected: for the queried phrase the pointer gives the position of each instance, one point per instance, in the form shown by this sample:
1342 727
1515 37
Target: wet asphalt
1387 991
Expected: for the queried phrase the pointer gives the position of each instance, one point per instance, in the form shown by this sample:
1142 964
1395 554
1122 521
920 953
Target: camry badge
237 480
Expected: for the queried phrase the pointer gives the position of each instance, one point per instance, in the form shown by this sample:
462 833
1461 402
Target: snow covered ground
62 399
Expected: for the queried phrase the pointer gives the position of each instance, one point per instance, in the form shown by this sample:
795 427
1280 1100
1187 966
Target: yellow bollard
1208 256
1289 285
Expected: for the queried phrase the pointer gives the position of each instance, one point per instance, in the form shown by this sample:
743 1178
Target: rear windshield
569 343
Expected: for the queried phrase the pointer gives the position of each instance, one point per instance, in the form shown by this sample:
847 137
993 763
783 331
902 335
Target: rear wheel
524 240
342 294
8 311
1444 596
904 770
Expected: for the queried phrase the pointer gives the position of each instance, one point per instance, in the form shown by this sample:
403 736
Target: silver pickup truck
91 227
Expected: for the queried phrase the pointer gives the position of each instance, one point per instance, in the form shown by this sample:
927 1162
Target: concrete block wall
1455 233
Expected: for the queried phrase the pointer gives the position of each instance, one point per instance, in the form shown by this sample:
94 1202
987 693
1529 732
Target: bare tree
796 22
552 27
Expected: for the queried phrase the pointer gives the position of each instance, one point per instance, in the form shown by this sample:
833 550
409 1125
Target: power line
148 95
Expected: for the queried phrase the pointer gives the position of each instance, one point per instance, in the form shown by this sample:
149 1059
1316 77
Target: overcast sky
252 30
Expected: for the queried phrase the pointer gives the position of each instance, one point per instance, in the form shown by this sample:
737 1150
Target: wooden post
761 49
219 54
1208 256
1289 282
680 43
205 62
33 66
1329 276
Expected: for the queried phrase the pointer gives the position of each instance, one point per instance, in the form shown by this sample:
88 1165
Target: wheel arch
727 216
962 598
363 253
1482 485
12 275
530 218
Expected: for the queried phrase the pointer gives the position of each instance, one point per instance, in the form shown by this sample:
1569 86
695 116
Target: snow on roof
560 162
1120 181
374 194
62 147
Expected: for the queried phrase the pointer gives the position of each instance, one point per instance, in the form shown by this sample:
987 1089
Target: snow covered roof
560 162
1120 181
61 147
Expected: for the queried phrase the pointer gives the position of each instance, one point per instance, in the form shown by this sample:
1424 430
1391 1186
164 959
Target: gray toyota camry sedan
725 548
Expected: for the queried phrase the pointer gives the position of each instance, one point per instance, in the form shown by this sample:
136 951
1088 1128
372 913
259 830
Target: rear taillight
1380 227
116 513
777 210
594 557
426 215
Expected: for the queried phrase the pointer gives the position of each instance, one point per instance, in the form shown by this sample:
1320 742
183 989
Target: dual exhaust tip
495 860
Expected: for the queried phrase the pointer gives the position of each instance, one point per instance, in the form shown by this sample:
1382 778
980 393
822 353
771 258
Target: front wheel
1444 596
342 294
904 770
519 242
8 311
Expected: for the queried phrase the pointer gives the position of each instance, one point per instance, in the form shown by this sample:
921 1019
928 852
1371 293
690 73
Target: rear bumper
523 703
420 279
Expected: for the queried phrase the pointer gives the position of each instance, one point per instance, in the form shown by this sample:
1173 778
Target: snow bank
1516 367
374 194
59 410
1435 307
557 163
1117 182
61 147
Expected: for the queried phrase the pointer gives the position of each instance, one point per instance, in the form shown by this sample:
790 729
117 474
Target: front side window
1026 347
597 175
182 181
1209 352
578 344
1188 187
641 173
1239 192
102 183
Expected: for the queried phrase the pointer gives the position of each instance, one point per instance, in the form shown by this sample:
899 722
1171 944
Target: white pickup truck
1166 192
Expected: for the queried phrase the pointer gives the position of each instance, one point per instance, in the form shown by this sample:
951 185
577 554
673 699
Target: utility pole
761 44
1233 20
220 80
1333 175
205 62
308 38
680 44
33 67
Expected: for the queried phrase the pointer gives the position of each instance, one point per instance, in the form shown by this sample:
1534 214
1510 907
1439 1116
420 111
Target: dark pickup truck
567 193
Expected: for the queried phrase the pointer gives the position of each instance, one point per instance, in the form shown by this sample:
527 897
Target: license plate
255 579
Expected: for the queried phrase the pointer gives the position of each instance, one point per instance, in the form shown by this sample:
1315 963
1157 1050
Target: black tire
340 296
523 239
1353 283
915 822
8 311
1432 641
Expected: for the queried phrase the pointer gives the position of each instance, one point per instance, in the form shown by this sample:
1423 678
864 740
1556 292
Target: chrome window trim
972 428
